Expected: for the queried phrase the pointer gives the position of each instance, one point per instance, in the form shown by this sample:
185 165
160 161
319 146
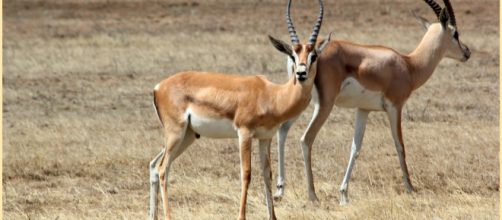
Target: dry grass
79 129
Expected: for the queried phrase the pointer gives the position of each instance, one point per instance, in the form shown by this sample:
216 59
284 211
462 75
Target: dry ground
79 127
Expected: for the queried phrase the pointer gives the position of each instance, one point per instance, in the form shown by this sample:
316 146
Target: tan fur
379 69
303 51
249 101
253 104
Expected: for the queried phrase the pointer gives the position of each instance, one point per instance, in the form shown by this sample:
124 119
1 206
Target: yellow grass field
79 128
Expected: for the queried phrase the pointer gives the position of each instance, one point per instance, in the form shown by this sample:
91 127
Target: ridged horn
317 25
435 6
449 9
291 27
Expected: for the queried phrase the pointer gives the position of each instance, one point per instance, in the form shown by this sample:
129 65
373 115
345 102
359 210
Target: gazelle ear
323 43
425 23
443 18
281 46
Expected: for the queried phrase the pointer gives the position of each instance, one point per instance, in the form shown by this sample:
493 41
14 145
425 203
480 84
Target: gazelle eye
313 57
292 58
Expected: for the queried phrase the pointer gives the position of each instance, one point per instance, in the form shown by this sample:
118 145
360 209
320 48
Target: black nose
302 76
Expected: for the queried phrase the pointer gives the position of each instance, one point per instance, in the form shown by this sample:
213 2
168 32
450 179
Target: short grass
79 128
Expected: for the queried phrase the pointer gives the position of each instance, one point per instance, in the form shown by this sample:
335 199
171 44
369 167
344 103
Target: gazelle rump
373 78
194 104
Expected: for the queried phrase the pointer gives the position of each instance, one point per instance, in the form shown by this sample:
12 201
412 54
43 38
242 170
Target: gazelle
373 78
215 105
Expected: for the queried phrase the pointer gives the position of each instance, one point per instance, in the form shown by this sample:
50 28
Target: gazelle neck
293 97
428 54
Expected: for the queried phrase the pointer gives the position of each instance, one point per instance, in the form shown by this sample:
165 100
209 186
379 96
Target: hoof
409 188
277 197
344 200
315 203
280 192
313 198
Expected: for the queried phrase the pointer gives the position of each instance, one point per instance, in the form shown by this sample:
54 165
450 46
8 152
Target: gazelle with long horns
194 104
374 78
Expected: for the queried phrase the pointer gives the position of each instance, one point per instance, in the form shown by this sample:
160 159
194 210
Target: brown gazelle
374 78
194 104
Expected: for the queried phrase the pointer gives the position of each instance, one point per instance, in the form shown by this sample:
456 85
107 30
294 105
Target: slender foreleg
245 154
321 113
267 175
281 141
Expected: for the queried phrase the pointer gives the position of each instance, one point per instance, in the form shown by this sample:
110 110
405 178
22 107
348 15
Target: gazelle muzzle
301 72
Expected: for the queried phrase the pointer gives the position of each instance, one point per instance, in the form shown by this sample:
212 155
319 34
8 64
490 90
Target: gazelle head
447 26
301 57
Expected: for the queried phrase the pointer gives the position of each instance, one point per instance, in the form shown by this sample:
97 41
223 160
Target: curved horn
453 22
317 25
291 27
435 6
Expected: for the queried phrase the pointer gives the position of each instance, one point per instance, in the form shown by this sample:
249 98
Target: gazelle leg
395 125
267 175
321 113
188 139
175 145
245 156
154 185
164 165
361 119
281 141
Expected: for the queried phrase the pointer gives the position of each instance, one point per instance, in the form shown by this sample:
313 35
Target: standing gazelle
194 104
374 78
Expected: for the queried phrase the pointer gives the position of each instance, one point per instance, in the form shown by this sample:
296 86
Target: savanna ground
79 128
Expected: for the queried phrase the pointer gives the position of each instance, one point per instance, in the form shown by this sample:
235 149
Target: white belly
263 133
212 127
223 128
353 95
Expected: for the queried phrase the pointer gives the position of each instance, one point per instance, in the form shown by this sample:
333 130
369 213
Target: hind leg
361 119
154 184
176 143
188 139
394 114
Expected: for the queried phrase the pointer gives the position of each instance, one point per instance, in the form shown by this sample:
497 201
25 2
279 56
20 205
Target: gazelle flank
374 78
